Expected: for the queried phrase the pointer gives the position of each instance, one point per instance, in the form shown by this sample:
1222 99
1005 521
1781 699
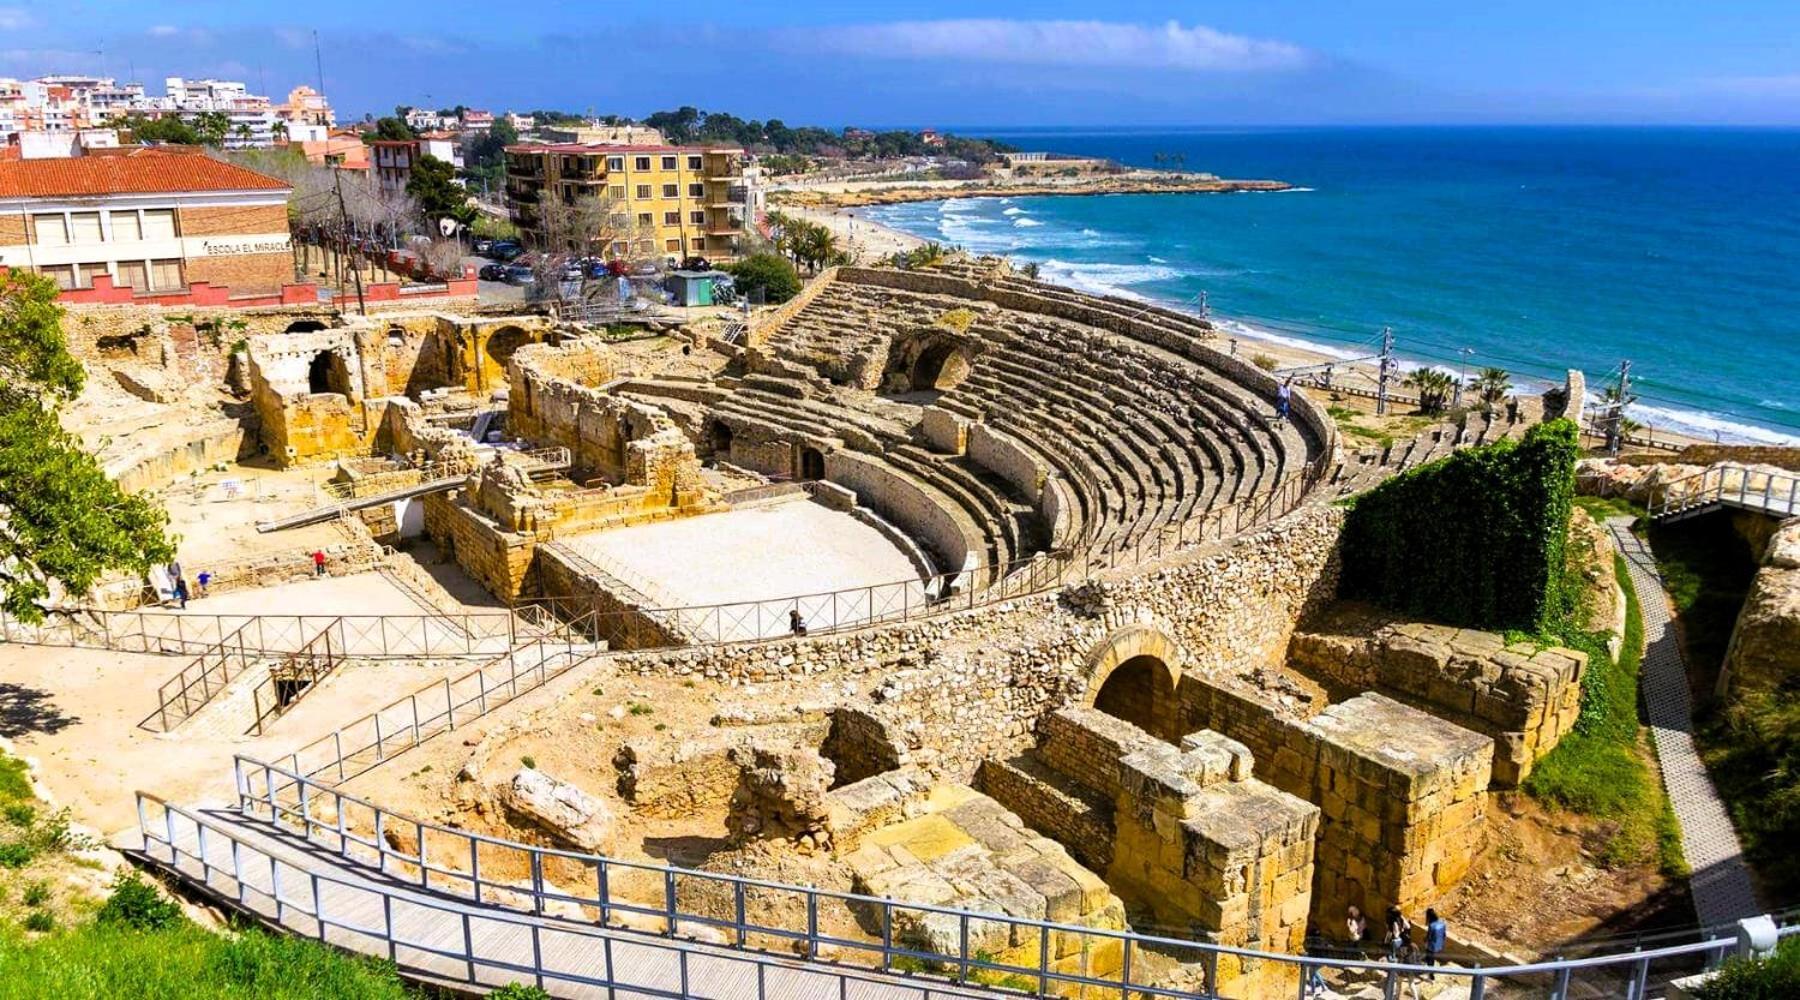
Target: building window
159 223
668 163
671 190
62 274
699 243
84 227
620 248
672 246
697 218
644 218
127 228
641 163
696 190
693 163
646 246
131 273
643 191
616 192
671 218
165 275
615 163
51 231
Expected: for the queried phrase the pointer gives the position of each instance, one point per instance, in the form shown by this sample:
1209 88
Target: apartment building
393 159
153 219
72 103
676 201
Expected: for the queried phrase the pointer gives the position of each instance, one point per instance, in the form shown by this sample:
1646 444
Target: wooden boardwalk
298 887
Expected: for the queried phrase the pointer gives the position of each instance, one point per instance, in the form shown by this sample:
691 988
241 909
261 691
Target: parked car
502 250
519 274
492 272
482 244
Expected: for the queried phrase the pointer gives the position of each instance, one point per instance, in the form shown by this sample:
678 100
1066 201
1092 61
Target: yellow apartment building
673 201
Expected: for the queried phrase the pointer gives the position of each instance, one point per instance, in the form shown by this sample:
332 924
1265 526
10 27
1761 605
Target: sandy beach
865 241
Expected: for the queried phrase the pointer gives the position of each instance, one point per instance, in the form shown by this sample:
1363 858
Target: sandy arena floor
760 554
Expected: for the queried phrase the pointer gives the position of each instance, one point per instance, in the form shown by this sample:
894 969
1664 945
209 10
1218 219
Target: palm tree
1433 388
1491 386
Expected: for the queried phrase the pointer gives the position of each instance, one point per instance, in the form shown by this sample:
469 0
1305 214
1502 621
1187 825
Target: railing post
387 924
537 883
475 868
537 962
962 947
605 905
812 924
318 906
424 871
669 899
738 902
469 946
378 751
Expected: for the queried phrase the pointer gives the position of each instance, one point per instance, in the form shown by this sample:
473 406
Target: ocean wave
1015 210
1707 424
1156 260
1105 279
1026 223
1294 190
1091 232
1242 329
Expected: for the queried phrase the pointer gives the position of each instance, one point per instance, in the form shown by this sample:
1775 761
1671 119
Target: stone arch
304 326
1133 674
327 373
941 366
812 464
505 342
719 440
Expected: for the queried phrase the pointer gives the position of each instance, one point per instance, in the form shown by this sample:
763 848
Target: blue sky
937 62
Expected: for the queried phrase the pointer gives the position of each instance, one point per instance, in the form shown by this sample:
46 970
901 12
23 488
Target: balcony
725 225
733 195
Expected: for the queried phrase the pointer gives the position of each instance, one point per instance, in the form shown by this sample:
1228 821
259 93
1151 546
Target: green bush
136 903
182 962
41 921
774 275
1475 539
519 991
1776 977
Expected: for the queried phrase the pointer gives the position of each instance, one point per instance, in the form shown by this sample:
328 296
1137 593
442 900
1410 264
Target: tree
213 127
1433 387
774 276
442 258
1491 386
390 128
63 523
156 130
433 185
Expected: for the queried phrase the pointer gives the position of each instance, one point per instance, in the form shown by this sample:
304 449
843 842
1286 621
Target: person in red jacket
318 562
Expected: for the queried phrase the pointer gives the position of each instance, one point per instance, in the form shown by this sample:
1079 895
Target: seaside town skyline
1290 62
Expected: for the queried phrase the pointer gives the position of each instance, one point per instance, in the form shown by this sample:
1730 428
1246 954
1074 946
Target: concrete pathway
1721 881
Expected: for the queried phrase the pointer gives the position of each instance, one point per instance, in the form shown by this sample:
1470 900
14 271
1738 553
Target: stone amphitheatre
944 586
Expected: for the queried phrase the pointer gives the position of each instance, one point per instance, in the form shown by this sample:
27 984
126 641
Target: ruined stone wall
1711 454
768 324
1761 655
1005 458
1524 696
199 447
623 621
953 538
499 561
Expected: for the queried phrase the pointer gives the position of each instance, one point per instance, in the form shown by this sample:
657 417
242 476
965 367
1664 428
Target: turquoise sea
1533 249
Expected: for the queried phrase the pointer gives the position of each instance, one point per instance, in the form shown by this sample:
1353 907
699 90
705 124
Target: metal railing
1742 486
492 633
441 940
437 708
298 673
755 914
194 686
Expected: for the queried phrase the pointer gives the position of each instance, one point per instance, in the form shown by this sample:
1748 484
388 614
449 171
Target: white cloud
1064 43
164 31
15 18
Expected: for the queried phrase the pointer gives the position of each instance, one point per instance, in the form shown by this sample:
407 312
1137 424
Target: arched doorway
1136 691
719 438
304 326
941 366
327 373
505 341
812 464
1133 677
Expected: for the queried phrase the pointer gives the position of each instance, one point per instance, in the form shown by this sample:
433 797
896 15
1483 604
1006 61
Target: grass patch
1602 508
1773 978
1596 769
27 833
100 961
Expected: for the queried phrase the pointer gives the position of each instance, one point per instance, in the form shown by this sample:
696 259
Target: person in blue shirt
1283 400
1436 932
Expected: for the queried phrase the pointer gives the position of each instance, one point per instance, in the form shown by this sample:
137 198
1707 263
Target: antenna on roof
318 61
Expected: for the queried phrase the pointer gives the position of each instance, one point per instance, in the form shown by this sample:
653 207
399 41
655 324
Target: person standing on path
181 593
318 562
1356 927
1284 398
1399 933
204 579
1436 934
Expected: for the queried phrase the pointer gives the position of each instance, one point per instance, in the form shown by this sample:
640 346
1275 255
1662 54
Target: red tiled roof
141 170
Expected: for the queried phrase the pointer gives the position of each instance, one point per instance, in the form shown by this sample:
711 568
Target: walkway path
310 892
1721 881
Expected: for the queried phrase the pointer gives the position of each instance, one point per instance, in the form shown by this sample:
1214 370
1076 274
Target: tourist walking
1284 397
181 593
1315 978
318 562
1436 934
1399 933
204 579
796 624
